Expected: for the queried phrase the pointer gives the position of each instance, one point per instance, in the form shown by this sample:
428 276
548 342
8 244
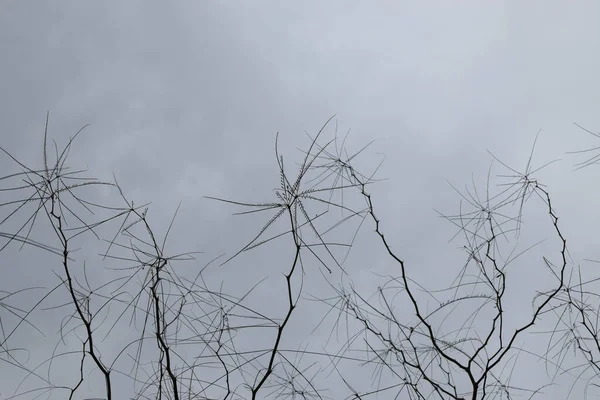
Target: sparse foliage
138 325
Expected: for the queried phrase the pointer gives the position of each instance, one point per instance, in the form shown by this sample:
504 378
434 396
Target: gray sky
184 100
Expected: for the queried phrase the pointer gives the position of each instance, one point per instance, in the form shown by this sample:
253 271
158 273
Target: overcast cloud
184 100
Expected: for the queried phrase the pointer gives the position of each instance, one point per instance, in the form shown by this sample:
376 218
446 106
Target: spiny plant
173 333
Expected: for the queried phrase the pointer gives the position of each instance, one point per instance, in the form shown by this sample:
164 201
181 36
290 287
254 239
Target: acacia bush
141 321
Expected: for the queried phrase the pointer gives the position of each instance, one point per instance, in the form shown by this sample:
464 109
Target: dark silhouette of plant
577 310
145 327
465 362
195 328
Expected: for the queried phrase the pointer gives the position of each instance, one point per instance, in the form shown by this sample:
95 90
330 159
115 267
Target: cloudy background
184 100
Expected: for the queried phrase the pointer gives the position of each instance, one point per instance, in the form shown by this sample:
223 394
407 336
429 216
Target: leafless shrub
180 337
